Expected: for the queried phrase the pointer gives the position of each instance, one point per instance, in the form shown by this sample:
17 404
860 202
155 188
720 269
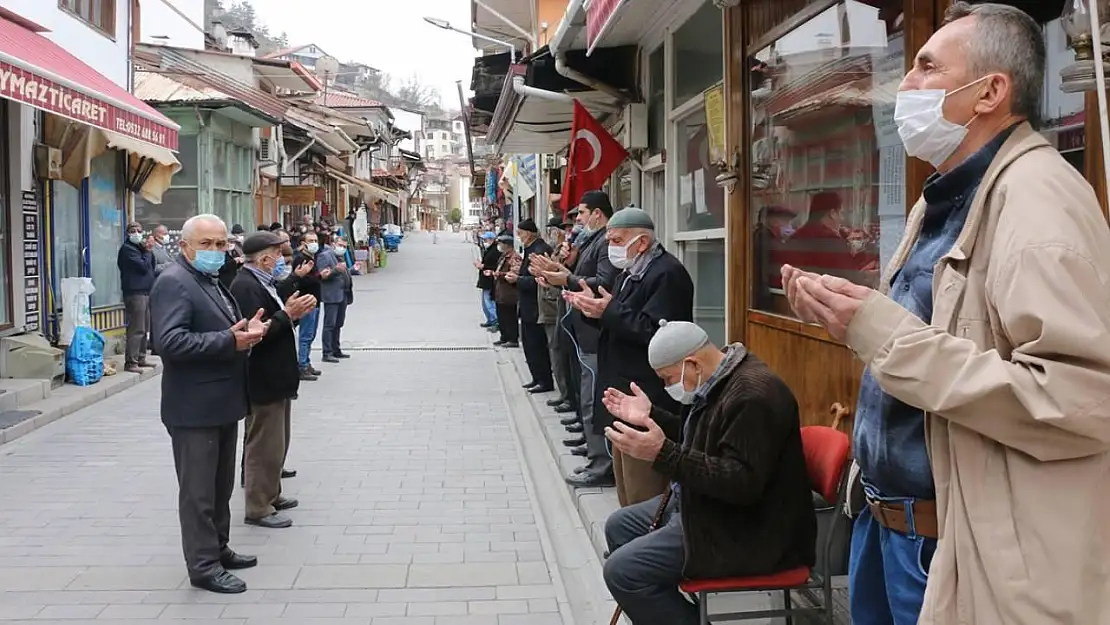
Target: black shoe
286 503
330 359
569 420
536 390
529 385
342 355
577 441
499 343
234 561
512 344
306 376
581 469
485 325
564 408
275 521
590 480
556 401
575 428
314 371
579 451
286 473
223 582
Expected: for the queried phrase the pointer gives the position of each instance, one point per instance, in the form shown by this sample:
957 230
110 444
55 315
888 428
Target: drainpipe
561 59
526 91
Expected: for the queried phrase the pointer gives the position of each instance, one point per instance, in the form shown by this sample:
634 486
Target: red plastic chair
826 451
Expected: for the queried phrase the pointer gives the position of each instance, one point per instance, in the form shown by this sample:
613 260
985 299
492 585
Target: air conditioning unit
48 162
265 154
31 357
635 134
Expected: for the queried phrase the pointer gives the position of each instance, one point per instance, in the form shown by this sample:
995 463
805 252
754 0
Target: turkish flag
594 155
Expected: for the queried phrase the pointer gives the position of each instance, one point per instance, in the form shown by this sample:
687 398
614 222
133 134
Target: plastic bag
85 356
76 311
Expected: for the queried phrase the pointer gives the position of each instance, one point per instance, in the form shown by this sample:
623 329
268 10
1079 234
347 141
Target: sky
390 35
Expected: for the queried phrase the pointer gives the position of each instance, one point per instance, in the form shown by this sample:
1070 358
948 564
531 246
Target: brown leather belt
892 515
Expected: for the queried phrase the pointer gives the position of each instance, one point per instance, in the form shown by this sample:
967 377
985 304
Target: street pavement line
573 562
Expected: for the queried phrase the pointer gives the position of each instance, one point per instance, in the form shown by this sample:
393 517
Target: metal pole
516 203
1100 86
540 200
466 128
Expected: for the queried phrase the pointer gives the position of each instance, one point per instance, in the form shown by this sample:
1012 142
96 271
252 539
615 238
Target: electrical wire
593 374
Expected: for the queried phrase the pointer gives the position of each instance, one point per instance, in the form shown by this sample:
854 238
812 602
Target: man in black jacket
203 340
592 272
652 286
488 263
136 272
532 335
740 502
273 379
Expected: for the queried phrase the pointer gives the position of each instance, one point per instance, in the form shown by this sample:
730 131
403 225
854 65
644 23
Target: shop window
698 53
705 260
67 224
828 169
233 199
657 102
106 213
100 14
701 203
1063 115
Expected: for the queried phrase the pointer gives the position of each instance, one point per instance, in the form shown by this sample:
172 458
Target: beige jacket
1014 377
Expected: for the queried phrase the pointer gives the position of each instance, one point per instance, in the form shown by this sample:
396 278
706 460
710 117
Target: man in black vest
204 340
274 378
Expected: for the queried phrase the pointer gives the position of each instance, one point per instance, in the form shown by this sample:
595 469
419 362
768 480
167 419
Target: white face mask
678 389
618 254
135 238
923 128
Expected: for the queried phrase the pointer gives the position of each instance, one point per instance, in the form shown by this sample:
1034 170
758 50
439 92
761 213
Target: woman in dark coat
505 293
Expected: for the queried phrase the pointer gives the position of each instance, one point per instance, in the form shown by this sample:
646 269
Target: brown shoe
133 369
146 365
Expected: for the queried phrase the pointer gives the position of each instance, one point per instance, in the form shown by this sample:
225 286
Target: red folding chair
826 451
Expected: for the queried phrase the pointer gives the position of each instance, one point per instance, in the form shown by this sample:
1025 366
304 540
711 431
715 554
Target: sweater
745 497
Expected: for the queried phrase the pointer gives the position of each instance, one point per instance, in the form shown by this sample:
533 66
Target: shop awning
371 189
38 72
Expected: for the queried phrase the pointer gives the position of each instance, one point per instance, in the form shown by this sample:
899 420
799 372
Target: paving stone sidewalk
414 506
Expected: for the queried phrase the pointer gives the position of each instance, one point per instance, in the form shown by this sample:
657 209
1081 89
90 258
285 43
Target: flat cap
528 226
237 229
631 217
505 238
258 241
674 341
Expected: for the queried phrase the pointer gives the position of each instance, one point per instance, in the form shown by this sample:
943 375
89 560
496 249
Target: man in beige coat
1010 367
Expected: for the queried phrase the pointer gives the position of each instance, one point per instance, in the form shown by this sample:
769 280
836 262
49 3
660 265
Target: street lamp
445 25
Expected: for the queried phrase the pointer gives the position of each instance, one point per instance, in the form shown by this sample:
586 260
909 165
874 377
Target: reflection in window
698 50
1062 114
106 211
828 168
66 206
656 102
701 203
705 260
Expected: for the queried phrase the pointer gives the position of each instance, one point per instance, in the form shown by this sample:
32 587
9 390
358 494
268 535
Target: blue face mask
279 268
209 261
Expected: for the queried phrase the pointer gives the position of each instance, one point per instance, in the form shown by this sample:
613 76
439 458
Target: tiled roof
340 100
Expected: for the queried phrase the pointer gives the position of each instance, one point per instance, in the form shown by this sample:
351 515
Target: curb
69 398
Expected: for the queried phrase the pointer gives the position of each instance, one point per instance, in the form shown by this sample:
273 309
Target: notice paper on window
892 181
686 190
699 192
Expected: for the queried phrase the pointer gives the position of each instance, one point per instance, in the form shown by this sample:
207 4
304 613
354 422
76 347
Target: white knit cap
674 341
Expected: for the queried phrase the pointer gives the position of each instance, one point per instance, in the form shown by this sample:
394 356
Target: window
106 210
698 52
233 179
68 257
828 169
180 201
705 260
100 14
1062 114
656 102
701 203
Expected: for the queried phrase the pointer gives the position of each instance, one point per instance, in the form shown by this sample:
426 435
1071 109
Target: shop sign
297 195
714 102
23 86
599 18
32 281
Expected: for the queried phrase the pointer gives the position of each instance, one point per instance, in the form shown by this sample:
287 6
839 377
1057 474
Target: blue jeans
306 334
489 307
887 572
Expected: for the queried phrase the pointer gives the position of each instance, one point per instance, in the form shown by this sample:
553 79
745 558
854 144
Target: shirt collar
266 279
967 175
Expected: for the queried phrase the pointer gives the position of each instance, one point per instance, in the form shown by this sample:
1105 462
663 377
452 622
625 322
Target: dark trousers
644 568
507 323
264 455
335 315
204 459
137 308
534 341
597 451
556 347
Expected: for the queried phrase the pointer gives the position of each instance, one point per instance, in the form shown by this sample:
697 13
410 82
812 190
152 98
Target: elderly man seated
740 502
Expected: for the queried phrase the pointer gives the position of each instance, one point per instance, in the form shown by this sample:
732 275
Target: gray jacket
333 288
162 258
204 378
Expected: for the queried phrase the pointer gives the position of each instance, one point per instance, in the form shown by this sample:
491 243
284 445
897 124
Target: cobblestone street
415 506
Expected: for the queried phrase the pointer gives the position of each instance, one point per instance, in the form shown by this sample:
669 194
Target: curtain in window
106 211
